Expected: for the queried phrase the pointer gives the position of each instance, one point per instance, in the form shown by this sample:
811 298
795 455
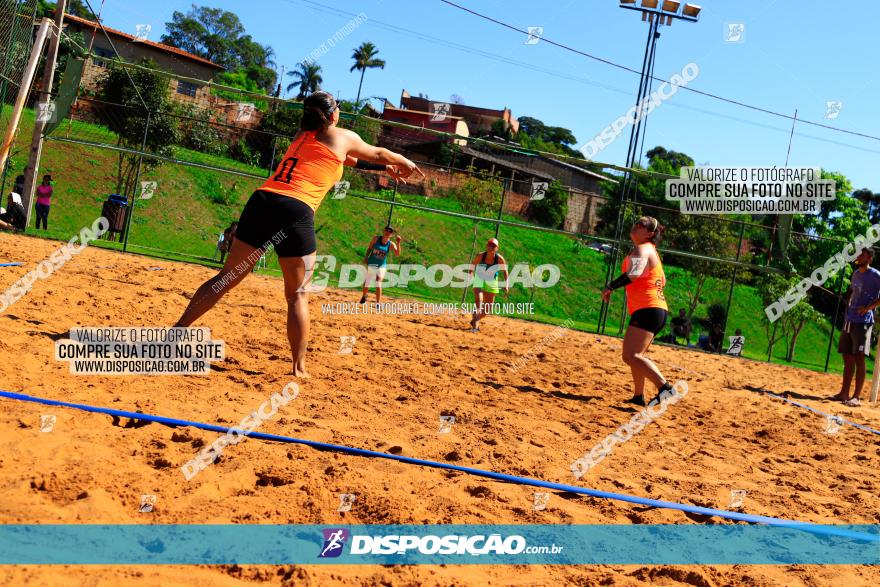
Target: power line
317 6
463 48
688 88
488 143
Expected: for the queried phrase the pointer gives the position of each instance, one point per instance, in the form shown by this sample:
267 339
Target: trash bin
114 211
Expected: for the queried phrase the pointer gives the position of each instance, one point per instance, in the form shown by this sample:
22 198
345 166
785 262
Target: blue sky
789 59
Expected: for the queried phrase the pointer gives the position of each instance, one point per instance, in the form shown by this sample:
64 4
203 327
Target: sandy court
388 395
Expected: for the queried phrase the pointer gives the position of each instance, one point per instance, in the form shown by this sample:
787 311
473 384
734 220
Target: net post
875 380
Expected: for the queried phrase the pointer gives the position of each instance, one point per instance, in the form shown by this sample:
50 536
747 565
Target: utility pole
23 90
44 112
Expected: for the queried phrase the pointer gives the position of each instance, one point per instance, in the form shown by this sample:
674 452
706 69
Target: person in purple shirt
855 338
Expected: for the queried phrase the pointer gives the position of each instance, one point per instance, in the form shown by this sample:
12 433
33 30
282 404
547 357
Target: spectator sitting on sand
14 217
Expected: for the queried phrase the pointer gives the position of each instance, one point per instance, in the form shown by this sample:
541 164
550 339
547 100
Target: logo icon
541 500
346 344
147 503
535 34
46 112
833 424
47 422
141 32
148 189
340 190
737 496
539 190
736 345
446 423
734 32
833 108
346 500
245 112
334 540
441 111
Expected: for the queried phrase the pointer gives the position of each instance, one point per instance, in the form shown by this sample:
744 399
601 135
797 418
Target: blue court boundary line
814 410
742 517
10 264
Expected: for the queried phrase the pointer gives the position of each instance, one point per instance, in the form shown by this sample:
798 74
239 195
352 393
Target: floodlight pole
655 17
632 150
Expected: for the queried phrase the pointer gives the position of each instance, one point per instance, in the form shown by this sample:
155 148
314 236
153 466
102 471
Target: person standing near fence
224 243
855 338
376 259
644 279
44 201
487 266
282 213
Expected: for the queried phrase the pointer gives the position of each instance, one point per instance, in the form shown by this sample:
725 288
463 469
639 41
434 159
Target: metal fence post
393 199
834 320
742 229
137 178
272 159
501 207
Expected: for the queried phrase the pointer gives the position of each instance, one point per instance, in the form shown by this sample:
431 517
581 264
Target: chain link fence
181 190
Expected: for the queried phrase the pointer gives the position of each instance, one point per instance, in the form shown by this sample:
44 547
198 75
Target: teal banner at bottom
551 544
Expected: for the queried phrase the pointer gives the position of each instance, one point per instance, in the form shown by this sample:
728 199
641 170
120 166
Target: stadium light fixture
664 11
656 14
692 11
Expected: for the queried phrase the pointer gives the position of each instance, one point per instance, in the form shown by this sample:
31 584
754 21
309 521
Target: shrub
477 196
552 210
241 151
199 133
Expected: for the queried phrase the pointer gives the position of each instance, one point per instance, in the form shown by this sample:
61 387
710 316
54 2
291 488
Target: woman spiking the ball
282 213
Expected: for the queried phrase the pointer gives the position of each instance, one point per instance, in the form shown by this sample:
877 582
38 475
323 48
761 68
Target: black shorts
855 339
282 221
651 319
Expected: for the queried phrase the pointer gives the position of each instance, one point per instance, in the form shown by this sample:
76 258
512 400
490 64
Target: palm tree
308 78
365 57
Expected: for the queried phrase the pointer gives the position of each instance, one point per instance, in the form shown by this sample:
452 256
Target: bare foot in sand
300 372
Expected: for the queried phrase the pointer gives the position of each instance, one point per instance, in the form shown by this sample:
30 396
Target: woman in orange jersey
644 280
282 213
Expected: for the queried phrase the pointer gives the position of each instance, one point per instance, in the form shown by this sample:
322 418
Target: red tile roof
126 36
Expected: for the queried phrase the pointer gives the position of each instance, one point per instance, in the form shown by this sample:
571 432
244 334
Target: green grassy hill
192 205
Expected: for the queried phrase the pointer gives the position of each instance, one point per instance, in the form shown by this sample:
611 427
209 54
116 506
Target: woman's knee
630 357
296 297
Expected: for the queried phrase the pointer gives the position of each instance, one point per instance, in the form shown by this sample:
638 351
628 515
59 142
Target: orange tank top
646 290
307 172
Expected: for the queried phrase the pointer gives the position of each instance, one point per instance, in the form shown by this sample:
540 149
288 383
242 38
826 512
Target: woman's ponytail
318 111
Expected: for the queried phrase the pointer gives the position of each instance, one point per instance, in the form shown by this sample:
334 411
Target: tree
282 121
872 201
219 36
648 189
308 78
365 58
792 322
500 128
710 237
45 8
239 79
536 135
127 117
553 208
